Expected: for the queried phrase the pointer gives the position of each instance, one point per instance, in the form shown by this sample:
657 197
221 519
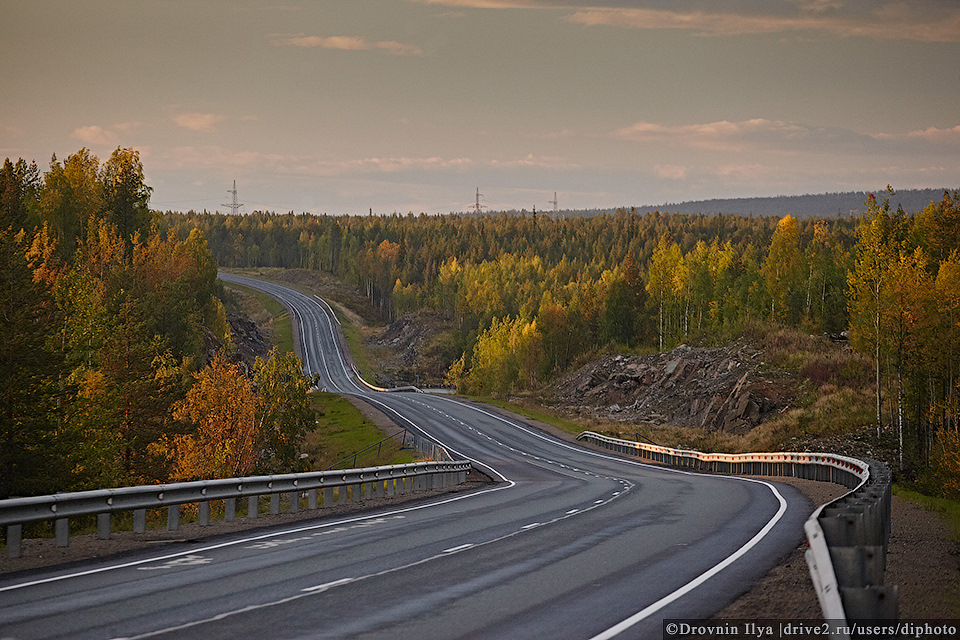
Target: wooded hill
820 205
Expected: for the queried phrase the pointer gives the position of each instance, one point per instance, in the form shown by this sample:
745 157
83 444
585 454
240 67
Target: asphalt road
570 543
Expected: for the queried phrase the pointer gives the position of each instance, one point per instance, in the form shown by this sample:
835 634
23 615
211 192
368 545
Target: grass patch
946 508
535 414
342 431
354 340
278 323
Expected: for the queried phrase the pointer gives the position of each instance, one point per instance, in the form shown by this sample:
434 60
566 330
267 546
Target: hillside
823 205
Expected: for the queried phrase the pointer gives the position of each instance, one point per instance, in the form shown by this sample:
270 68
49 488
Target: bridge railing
847 537
323 488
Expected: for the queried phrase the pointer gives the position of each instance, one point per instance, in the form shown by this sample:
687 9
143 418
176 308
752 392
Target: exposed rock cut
719 389
411 352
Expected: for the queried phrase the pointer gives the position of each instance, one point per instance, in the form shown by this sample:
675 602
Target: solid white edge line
656 606
327 585
696 582
622 626
265 536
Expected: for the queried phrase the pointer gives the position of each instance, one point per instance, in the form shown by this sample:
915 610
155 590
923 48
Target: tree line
532 296
109 323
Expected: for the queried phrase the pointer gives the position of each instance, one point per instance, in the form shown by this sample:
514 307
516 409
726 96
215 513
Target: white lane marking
696 582
622 626
629 622
273 544
462 547
572 511
265 536
185 561
327 585
532 525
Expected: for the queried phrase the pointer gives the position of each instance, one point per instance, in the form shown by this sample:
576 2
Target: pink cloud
345 43
96 135
198 121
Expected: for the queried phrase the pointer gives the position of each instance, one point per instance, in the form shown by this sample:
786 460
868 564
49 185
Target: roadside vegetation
344 434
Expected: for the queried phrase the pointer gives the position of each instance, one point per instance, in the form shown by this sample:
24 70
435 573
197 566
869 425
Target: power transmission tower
234 206
553 202
478 207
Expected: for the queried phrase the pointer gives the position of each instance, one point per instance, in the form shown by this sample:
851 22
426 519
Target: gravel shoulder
923 560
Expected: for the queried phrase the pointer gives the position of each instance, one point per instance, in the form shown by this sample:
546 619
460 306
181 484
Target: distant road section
569 544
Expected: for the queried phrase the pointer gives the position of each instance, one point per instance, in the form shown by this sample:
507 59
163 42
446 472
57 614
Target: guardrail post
203 518
62 531
378 488
874 602
328 496
14 536
356 490
274 503
858 566
173 517
140 521
311 499
229 509
294 501
253 506
103 526
342 494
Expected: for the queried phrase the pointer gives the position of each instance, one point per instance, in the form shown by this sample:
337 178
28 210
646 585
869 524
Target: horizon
913 194
410 105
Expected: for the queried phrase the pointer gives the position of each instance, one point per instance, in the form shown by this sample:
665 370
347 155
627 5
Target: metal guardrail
847 537
348 484
424 445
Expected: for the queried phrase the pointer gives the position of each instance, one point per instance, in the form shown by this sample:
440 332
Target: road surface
569 543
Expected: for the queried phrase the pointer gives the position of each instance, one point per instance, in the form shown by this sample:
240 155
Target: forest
120 341
532 296
116 343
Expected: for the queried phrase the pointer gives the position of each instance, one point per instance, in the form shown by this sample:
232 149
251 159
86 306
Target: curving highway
569 543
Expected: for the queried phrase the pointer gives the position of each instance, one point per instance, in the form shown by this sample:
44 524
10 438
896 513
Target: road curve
570 543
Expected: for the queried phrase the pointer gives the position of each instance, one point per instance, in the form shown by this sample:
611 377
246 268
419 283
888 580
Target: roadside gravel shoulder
923 560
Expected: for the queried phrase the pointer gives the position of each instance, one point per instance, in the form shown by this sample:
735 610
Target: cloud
391 165
205 122
920 20
877 24
110 136
756 133
344 43
671 171
214 157
542 162
95 135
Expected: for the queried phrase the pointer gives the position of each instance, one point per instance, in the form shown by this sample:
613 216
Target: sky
352 106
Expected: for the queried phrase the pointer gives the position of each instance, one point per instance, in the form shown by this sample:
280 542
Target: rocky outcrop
411 350
722 389
247 339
